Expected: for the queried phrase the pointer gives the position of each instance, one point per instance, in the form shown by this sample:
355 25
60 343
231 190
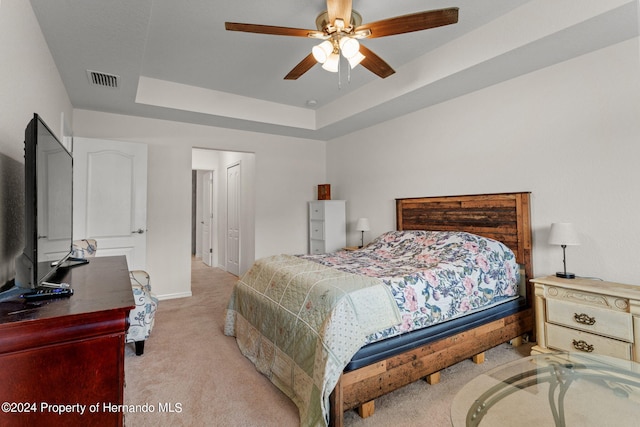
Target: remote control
47 293
53 285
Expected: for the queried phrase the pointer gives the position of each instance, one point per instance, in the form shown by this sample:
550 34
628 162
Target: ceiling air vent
103 79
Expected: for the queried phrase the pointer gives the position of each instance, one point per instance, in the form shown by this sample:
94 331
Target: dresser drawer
602 321
316 211
566 339
317 230
316 247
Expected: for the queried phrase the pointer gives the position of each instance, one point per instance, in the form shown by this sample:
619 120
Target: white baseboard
174 296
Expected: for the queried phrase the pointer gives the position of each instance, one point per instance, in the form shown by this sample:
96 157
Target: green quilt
300 323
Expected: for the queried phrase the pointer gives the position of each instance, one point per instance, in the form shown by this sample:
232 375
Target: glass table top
555 389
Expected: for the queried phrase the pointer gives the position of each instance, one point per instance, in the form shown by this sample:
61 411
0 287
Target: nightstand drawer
602 321
565 339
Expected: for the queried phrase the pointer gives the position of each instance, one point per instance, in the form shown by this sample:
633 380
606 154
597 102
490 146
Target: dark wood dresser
62 360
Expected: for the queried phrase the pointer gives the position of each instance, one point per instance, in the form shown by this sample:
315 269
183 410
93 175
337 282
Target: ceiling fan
340 27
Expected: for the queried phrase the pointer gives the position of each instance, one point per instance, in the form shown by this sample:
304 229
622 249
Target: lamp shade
363 224
563 233
349 47
355 59
332 63
322 51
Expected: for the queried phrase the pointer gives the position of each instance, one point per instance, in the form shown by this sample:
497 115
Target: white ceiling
175 60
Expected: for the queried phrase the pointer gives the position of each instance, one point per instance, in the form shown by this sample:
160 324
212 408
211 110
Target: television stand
68 351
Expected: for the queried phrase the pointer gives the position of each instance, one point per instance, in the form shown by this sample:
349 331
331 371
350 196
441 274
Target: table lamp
362 225
564 234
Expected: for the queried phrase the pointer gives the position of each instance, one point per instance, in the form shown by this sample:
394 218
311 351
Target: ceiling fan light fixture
340 22
322 51
355 60
332 63
349 47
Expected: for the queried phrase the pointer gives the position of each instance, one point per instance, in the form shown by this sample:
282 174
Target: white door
110 197
208 227
233 219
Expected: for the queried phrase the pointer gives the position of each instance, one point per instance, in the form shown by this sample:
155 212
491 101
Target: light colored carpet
191 368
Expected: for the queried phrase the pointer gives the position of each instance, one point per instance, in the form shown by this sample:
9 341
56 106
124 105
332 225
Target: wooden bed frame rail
504 217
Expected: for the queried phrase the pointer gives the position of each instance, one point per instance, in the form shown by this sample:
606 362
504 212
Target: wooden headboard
503 216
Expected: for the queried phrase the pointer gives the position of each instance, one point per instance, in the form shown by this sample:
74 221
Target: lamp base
565 275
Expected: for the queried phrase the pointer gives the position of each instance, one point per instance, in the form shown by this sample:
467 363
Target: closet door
233 219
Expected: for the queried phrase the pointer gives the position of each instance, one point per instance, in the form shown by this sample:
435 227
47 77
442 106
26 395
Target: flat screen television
48 208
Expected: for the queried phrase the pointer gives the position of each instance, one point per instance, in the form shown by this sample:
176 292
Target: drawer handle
584 319
583 346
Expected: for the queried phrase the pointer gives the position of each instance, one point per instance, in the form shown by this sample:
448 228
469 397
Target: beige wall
570 134
29 83
286 172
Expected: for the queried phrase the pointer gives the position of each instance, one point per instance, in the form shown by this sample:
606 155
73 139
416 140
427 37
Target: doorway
204 217
223 192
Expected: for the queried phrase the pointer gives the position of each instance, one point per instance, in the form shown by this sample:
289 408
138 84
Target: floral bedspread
433 275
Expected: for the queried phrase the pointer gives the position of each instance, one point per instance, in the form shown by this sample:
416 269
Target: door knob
138 231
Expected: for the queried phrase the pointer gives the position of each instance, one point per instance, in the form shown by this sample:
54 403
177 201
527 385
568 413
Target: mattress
380 350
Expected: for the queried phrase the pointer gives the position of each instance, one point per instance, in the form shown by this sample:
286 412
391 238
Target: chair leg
139 347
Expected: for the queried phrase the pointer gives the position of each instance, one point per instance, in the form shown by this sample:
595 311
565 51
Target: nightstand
586 315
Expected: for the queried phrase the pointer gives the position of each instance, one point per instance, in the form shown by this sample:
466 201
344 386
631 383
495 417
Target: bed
333 337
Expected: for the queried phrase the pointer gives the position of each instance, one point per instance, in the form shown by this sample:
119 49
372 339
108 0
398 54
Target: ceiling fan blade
305 65
340 9
412 22
268 29
374 63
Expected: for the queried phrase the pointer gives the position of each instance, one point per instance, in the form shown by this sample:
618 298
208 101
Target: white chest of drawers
327 226
588 316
